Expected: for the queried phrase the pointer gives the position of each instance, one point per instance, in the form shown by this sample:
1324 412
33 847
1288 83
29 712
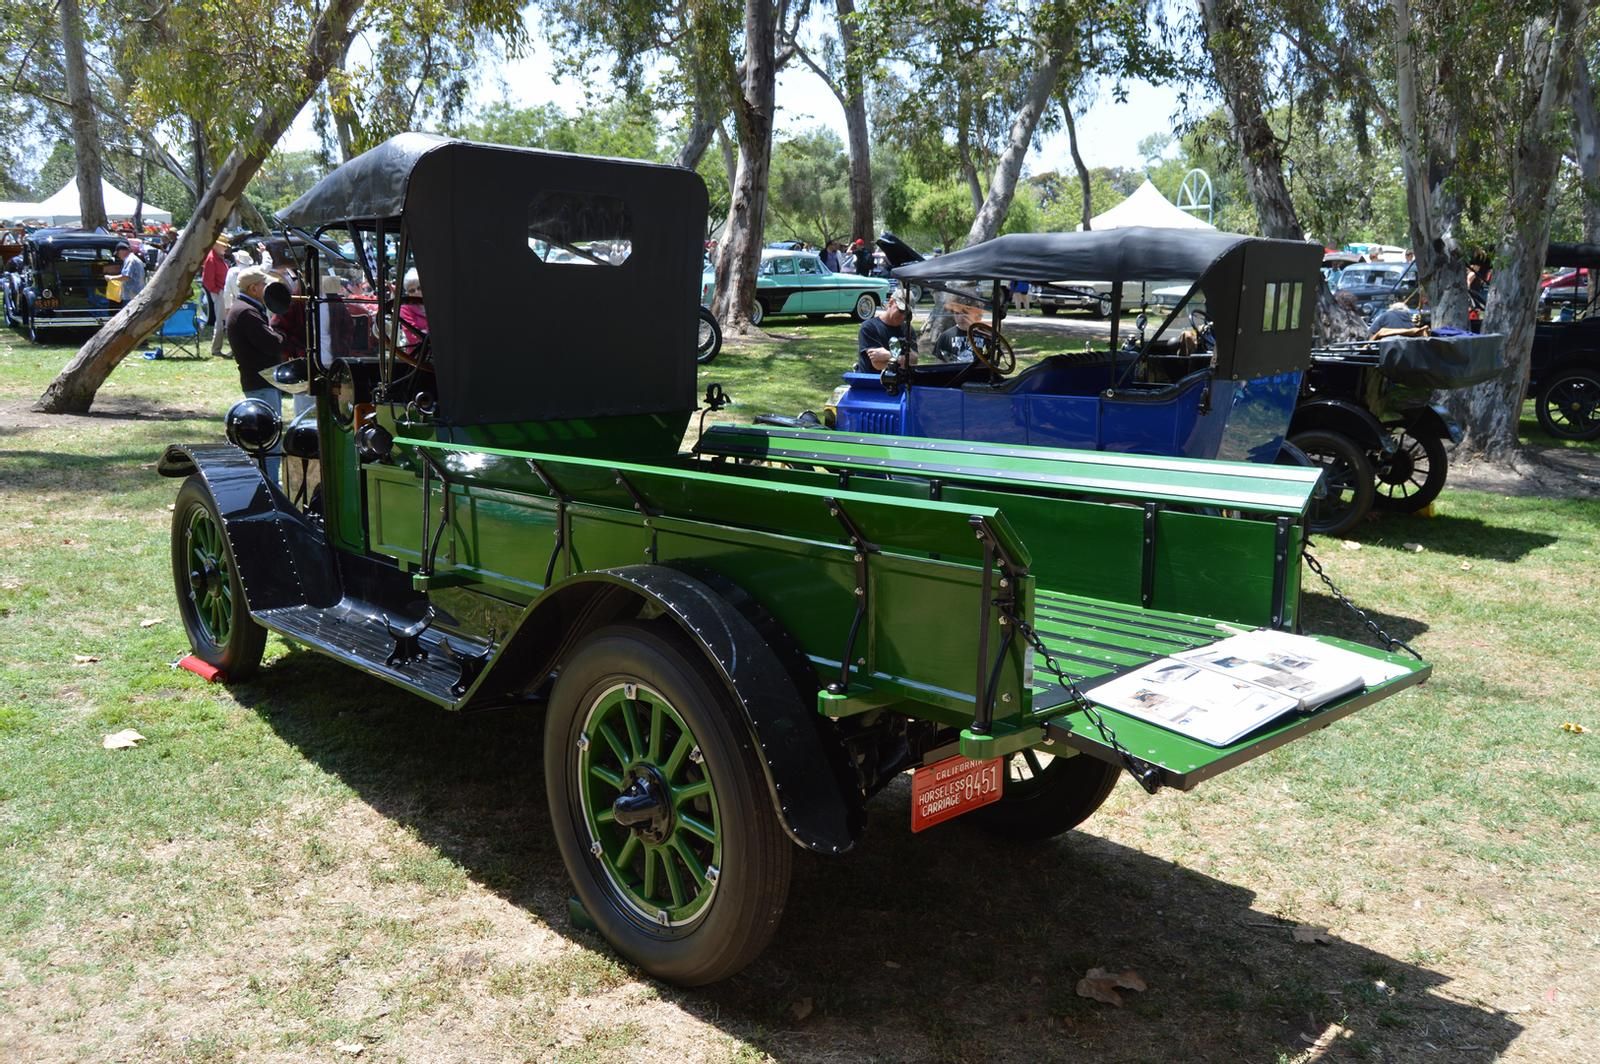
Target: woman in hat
213 275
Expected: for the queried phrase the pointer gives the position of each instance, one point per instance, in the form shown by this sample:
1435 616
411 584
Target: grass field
313 867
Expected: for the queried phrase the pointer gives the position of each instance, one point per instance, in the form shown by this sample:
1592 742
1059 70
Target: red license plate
951 787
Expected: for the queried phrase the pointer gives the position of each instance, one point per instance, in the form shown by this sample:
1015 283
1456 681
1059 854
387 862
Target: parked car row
58 281
799 282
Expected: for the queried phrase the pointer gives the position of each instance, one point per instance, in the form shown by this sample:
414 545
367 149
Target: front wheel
710 337
660 808
1045 796
1103 306
1048 309
1413 476
866 306
210 595
1346 491
1568 407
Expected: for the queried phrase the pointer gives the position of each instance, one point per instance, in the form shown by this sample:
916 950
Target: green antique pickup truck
736 645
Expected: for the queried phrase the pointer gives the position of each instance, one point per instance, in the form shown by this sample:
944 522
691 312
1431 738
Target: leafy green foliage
808 197
283 177
626 128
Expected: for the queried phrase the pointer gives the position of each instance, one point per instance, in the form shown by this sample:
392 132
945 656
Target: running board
436 665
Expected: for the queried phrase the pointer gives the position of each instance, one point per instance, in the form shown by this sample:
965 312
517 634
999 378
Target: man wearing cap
132 271
256 345
879 334
213 275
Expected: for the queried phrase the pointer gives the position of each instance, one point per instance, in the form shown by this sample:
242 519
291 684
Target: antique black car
1565 372
733 647
59 281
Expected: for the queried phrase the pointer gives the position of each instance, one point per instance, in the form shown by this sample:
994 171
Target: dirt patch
1551 472
19 415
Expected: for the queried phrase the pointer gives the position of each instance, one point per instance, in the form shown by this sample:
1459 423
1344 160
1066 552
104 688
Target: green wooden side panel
1222 568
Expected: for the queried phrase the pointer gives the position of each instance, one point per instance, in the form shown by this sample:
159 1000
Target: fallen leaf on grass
1465 566
151 622
1414 548
1576 729
1098 984
354 1049
802 1008
1349 544
1312 933
126 739
85 659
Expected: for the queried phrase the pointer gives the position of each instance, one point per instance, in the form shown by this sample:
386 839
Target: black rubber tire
11 313
1039 804
758 857
1397 489
866 306
1347 478
710 344
1049 310
758 312
240 656
1574 385
1102 307
29 325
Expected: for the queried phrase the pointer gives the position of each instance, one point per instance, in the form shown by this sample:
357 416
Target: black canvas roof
1134 254
1560 254
518 334
372 185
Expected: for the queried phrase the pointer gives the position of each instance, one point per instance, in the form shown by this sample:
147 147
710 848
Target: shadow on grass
1468 537
54 471
948 945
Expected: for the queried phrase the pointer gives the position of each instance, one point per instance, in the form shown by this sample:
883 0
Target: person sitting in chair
955 343
878 335
413 314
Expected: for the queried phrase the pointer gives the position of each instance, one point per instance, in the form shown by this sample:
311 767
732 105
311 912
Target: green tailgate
1090 639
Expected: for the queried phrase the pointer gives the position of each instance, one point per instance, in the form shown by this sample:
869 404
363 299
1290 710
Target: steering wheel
991 348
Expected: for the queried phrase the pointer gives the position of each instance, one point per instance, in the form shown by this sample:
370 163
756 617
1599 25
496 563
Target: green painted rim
635 742
210 576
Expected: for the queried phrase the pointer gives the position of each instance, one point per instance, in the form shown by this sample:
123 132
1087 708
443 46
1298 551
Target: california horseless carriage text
734 648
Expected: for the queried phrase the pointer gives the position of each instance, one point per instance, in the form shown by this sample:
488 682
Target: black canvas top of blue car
1236 274
504 241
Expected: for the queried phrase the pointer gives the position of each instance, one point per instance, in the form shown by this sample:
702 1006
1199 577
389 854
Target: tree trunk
1428 159
85 133
740 252
1490 411
1237 60
1586 143
992 212
138 200
1077 161
74 388
702 127
202 168
854 101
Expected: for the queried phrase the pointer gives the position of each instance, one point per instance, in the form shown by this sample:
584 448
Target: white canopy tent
63 208
17 211
1147 206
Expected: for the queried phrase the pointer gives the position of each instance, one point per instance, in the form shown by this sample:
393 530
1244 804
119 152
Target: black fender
800 764
282 556
1431 421
1342 416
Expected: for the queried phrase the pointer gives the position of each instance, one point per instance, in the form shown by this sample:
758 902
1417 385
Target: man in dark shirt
256 345
875 342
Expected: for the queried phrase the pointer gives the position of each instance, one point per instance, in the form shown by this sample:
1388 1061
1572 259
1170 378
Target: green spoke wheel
210 596
1046 795
664 860
660 807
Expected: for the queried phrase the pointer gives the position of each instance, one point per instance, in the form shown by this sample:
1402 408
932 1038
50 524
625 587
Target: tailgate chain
1389 641
1148 775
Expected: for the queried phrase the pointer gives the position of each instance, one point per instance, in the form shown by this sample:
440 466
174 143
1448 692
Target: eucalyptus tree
1586 139
292 46
844 60
979 81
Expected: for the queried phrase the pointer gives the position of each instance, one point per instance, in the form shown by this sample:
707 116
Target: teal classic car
798 282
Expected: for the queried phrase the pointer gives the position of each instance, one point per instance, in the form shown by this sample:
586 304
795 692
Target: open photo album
1221 692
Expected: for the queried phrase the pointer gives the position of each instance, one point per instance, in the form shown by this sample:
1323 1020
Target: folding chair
181 330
